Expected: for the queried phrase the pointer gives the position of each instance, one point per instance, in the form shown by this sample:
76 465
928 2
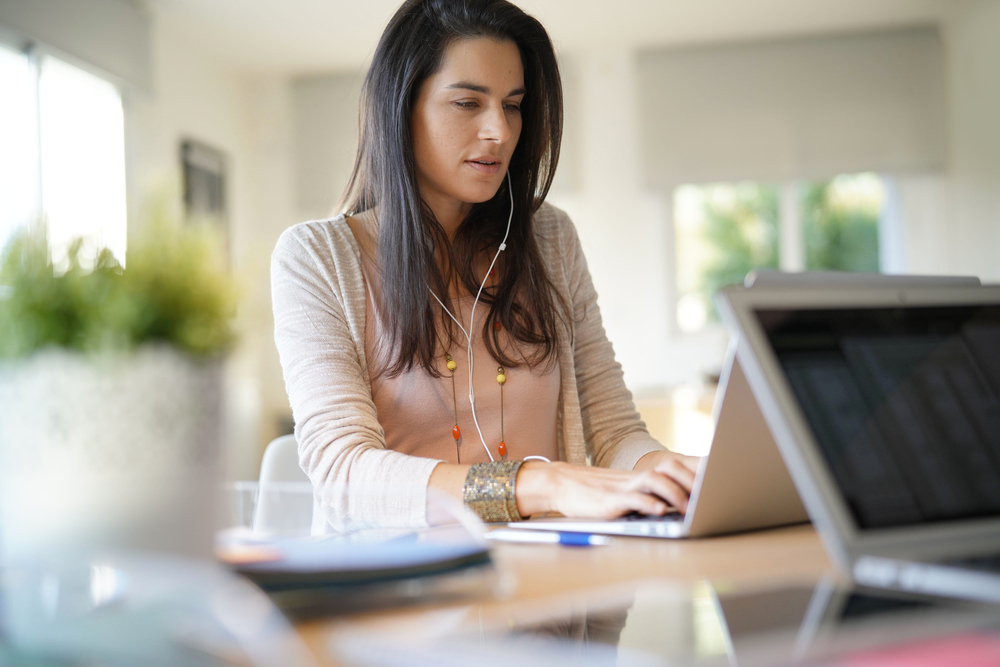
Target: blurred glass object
18 143
283 508
269 509
239 500
141 609
83 160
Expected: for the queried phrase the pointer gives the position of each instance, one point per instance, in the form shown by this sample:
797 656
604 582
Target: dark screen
904 404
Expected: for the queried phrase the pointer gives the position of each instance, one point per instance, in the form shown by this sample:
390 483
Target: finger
678 471
666 488
690 462
644 503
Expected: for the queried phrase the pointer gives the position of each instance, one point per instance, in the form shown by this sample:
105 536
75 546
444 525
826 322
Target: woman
448 272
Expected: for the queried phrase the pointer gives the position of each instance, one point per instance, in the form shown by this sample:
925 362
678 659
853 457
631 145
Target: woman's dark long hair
414 252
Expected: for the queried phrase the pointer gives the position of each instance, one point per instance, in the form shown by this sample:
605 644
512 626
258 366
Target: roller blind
804 108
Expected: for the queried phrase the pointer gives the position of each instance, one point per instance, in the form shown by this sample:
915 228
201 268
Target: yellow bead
452 365
501 378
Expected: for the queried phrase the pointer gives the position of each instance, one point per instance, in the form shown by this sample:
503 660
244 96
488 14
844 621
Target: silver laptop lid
885 403
768 278
742 484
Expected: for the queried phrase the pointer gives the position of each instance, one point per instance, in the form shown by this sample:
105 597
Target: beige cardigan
318 295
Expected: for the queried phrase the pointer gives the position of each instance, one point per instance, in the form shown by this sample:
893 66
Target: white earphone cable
472 317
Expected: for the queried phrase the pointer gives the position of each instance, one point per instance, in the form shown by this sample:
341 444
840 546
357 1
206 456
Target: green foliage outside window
840 233
744 234
725 230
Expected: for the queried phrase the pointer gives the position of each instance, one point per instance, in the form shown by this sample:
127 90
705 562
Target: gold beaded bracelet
489 491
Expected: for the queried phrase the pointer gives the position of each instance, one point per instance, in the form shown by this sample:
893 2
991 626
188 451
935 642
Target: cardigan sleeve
316 296
615 435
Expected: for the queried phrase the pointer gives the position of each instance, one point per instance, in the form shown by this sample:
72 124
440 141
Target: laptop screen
904 403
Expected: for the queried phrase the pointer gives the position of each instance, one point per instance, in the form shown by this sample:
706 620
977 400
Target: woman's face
466 123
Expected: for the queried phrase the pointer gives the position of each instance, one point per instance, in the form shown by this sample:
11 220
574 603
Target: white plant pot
108 452
99 455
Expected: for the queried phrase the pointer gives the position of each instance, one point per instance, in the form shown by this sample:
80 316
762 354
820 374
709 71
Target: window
62 154
725 230
722 232
18 143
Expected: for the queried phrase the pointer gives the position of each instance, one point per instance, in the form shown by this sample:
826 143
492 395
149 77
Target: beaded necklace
456 432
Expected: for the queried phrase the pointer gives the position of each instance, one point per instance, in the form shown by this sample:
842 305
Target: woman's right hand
592 492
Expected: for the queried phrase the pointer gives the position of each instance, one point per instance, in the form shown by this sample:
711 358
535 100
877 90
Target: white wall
951 219
625 230
972 41
326 139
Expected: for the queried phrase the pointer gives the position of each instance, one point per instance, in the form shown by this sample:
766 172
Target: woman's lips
485 165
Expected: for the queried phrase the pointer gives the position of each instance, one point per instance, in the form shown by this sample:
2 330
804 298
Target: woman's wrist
649 460
534 489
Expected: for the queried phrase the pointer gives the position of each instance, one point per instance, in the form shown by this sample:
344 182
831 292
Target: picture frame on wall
205 187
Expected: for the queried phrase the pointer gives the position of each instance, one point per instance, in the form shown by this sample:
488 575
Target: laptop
741 485
885 405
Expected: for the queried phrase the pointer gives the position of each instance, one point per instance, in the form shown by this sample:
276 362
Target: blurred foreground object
145 609
110 406
309 574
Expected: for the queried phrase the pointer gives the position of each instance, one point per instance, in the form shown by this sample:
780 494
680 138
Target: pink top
417 411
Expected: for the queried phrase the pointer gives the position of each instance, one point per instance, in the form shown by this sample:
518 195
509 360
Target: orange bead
502 449
456 432
497 326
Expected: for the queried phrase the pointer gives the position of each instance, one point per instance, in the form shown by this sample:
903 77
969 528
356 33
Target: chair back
284 493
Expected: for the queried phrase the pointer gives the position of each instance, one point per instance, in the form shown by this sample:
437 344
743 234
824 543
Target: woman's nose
495 126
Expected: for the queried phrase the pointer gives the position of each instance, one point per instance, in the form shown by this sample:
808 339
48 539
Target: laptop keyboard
648 518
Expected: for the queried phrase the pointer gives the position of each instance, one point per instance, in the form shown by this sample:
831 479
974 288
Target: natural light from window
83 160
722 230
725 230
18 144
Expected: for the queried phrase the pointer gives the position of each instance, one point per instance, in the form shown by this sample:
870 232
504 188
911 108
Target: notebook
885 405
741 485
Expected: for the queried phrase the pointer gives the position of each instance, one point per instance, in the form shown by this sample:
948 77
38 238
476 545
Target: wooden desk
793 554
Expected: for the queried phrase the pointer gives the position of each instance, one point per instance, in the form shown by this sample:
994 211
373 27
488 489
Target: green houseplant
174 292
110 395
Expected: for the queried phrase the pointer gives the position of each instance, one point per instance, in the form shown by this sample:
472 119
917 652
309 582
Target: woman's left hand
677 467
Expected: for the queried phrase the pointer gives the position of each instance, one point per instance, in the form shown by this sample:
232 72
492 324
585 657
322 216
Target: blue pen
547 537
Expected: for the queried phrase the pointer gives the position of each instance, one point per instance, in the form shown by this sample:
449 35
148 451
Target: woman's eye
512 107
466 104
